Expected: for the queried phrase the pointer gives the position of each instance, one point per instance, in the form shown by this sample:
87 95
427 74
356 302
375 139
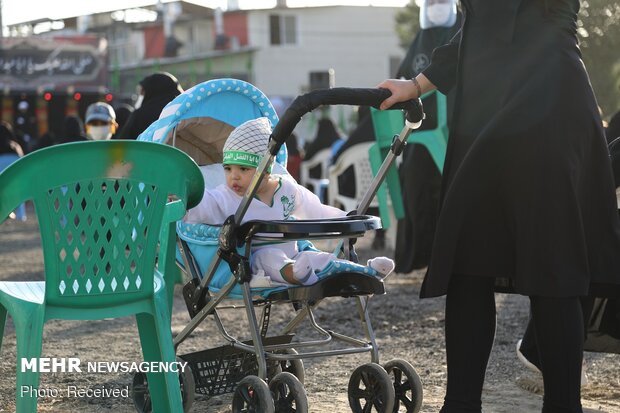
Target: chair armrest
174 211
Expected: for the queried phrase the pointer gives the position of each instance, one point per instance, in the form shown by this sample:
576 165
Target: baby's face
238 177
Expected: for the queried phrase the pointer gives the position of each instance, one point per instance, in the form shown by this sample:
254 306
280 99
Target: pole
1 25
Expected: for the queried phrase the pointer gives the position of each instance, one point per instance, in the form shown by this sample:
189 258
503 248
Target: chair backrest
100 206
355 156
322 158
435 140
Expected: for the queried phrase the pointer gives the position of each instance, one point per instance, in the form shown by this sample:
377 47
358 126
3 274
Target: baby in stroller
278 197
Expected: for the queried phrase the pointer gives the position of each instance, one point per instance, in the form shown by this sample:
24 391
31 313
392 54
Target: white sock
303 270
383 265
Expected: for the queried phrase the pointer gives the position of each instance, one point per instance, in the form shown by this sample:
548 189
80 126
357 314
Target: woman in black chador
156 91
527 197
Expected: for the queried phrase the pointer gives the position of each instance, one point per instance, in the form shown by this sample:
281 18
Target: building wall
190 72
196 35
357 42
154 42
236 25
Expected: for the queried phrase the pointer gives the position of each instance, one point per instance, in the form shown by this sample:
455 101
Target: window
282 29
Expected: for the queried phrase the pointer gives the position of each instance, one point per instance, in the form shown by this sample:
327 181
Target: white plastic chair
356 156
317 185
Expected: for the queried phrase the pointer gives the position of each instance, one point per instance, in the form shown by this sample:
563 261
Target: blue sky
14 11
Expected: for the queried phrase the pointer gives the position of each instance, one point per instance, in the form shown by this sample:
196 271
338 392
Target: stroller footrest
340 285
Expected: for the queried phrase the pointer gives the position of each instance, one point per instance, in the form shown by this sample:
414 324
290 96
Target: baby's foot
383 265
303 271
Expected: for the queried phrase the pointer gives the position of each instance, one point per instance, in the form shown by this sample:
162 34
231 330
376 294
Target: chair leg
156 341
29 332
2 323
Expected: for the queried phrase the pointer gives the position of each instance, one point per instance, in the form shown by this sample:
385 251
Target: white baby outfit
290 201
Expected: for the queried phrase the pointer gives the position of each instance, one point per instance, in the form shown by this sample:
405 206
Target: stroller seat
338 279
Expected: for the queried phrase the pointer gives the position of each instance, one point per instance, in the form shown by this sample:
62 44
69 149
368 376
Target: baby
278 197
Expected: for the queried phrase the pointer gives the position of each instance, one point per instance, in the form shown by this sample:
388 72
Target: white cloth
306 264
290 201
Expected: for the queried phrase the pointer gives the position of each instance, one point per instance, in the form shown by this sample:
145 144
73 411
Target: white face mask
439 13
99 133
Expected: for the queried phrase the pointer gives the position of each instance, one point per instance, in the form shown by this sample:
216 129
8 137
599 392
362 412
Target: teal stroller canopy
199 120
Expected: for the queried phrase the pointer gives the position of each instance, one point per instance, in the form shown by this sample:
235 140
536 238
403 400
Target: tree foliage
599 36
407 24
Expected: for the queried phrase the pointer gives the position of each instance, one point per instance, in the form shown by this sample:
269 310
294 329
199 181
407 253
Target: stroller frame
307 298
264 351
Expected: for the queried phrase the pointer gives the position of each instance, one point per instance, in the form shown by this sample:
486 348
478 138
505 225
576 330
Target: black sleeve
442 70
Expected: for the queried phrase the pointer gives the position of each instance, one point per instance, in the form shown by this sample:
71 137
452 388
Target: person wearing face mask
100 121
437 13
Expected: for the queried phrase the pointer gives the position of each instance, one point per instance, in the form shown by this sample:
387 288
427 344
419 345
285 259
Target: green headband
242 158
248 159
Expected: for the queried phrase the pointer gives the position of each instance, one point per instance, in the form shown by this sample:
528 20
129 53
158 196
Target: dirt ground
406 328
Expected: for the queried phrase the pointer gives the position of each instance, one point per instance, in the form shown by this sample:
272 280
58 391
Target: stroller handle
338 96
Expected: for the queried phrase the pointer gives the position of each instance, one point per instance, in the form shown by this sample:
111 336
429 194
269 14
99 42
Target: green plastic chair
103 214
435 140
388 123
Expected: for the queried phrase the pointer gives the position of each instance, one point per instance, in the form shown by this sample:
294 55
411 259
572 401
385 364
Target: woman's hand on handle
404 89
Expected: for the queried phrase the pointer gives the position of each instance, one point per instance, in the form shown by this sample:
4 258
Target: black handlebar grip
338 96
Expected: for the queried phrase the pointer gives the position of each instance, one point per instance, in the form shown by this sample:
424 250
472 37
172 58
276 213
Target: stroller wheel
407 385
188 387
371 387
142 397
288 394
252 396
293 366
140 393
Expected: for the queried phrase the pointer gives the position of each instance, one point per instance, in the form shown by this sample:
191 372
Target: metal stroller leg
362 307
255 332
301 315
203 313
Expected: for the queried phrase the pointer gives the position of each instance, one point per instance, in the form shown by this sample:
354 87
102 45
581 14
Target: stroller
266 373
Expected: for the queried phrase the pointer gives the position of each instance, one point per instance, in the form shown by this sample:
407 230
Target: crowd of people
101 120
